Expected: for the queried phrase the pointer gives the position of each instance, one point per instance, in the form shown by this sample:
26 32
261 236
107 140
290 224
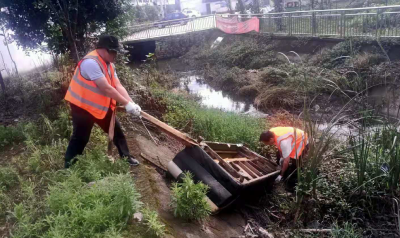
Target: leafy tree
64 25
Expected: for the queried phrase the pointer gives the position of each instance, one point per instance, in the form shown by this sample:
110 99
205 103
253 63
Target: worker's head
267 138
108 48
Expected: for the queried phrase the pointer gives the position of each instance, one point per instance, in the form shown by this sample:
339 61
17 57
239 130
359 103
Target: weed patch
189 199
212 124
8 177
248 54
10 135
348 230
96 165
152 221
74 209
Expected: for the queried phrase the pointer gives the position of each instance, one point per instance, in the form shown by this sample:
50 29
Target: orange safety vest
85 93
282 133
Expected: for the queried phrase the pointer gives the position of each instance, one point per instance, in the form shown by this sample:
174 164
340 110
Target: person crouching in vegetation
93 93
291 143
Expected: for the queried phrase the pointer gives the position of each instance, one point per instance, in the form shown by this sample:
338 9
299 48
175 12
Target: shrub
189 199
347 231
153 223
46 157
94 165
5 202
82 211
8 177
10 135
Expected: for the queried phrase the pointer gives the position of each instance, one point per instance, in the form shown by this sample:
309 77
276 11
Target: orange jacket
85 93
298 143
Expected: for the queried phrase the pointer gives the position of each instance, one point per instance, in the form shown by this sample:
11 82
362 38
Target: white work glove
133 109
278 179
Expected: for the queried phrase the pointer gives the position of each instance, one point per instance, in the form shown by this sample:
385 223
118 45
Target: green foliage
75 209
8 177
46 157
152 221
29 20
376 158
189 199
10 135
212 124
118 26
348 230
146 13
95 165
5 202
28 224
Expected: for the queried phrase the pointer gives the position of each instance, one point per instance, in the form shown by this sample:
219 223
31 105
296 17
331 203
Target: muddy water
211 98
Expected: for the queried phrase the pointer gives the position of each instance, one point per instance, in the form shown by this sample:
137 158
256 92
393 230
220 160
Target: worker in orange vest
292 143
93 93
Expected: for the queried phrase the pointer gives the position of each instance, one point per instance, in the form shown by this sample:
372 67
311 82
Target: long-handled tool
155 142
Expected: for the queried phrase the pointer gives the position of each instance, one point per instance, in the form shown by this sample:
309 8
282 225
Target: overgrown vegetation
189 199
152 221
212 124
95 198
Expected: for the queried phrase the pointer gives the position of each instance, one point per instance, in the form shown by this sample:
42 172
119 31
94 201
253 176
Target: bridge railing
340 23
168 28
336 23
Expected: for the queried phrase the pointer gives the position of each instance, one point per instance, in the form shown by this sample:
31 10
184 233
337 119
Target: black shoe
132 161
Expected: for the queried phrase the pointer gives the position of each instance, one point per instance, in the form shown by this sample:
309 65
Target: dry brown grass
250 90
276 97
284 118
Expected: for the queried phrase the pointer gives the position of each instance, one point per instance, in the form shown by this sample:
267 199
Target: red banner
233 26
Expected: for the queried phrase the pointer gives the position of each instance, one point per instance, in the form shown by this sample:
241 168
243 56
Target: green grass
10 135
372 151
74 209
43 200
348 230
8 177
212 124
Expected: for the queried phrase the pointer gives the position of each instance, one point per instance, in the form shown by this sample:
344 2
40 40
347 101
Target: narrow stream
211 98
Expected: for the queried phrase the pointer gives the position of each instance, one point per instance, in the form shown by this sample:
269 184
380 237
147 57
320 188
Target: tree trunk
241 7
278 5
229 2
8 49
256 6
3 86
4 65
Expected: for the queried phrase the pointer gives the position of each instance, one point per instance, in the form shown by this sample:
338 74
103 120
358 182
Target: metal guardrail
335 23
169 28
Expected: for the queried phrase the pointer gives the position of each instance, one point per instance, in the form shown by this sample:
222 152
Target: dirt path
154 186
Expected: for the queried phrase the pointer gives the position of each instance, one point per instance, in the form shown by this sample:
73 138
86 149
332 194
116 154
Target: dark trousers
292 169
83 122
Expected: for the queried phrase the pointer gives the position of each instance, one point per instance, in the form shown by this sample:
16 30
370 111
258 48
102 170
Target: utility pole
162 4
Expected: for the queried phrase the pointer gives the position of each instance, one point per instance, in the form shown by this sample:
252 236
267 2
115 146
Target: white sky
23 61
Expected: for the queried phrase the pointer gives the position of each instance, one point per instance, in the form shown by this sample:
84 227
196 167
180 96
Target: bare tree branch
8 48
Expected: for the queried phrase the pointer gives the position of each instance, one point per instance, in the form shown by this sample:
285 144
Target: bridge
373 22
